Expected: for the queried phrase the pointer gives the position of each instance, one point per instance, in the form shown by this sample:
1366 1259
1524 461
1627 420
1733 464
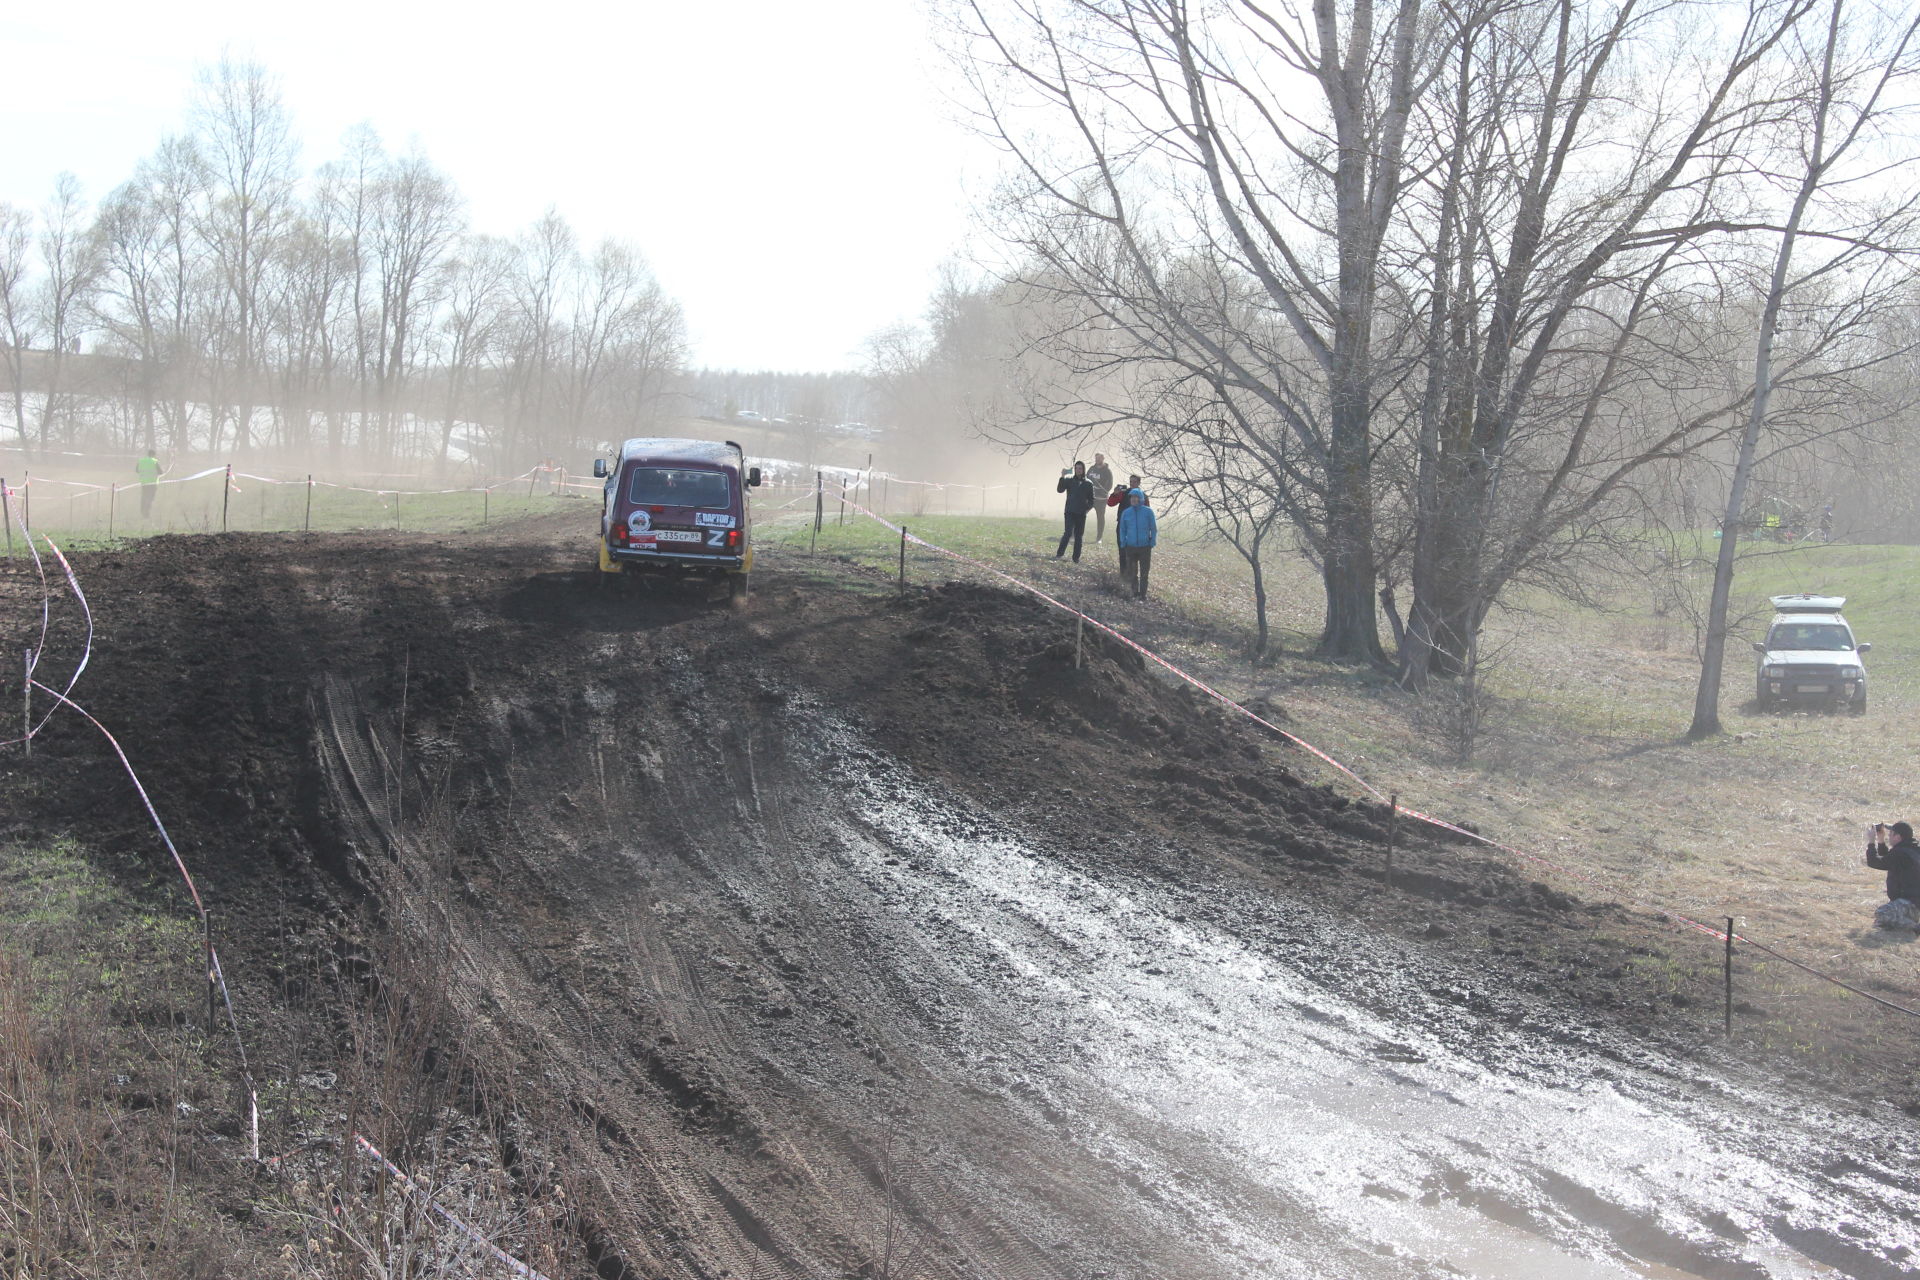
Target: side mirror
753 477
600 468
1862 648
1759 646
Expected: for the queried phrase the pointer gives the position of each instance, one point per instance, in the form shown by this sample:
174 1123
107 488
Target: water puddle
1269 1113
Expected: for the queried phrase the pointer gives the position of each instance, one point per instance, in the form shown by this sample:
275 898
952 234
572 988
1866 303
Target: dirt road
865 936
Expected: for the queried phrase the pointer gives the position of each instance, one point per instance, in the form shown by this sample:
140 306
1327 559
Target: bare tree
417 220
1854 74
130 247
17 309
1569 229
472 325
1227 488
246 140
1273 140
67 273
547 256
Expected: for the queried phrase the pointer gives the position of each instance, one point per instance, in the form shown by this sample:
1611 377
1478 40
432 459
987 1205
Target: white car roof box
1804 603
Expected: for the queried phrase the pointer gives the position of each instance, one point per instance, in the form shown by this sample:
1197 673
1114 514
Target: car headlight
1851 673
1775 673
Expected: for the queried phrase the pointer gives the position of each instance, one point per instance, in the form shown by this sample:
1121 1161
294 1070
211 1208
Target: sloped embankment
871 936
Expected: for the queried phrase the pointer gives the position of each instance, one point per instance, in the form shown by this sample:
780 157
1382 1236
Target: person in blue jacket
1136 531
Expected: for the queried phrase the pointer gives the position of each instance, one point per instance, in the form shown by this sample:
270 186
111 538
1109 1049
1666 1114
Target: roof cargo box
1804 603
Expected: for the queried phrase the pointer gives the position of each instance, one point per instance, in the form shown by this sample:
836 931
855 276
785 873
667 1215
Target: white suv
1810 656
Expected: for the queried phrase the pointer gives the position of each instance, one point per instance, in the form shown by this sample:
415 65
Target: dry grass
120 1146
107 1086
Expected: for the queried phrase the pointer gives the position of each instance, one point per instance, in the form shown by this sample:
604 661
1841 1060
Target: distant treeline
223 299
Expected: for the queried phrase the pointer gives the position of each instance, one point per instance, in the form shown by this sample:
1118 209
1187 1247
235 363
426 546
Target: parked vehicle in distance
750 415
678 508
1810 656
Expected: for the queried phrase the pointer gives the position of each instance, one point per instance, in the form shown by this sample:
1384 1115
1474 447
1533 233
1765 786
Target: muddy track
865 936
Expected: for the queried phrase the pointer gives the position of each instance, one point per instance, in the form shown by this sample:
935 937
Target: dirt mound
677 876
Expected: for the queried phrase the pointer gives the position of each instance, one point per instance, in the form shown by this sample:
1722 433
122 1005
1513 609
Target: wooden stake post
903 557
1393 831
819 509
226 497
1728 973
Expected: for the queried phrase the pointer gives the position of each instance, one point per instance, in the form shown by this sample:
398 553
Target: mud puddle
1168 1039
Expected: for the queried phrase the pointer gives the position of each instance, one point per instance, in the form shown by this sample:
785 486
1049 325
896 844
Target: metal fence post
1393 831
226 497
1728 971
26 704
306 525
1079 630
113 496
903 557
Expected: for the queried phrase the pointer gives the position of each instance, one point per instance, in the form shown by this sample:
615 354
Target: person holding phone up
1891 848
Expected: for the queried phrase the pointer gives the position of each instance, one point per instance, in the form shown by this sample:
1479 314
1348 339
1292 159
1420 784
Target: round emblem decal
639 522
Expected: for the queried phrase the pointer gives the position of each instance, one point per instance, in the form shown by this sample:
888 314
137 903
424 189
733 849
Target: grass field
88 518
1581 755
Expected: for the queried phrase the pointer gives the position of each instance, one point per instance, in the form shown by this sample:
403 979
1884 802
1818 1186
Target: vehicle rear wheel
1858 707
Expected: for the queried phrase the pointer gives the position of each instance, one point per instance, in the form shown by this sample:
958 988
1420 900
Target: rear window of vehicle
1810 635
676 487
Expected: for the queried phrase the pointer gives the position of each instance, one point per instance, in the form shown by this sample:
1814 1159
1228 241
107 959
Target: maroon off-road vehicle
678 508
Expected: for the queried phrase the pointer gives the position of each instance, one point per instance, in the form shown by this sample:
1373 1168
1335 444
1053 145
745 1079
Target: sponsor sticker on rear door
715 519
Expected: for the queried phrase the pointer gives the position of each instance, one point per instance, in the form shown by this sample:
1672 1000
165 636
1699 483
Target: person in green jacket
149 470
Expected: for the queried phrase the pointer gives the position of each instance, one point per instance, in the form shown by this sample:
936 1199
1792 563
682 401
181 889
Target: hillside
860 934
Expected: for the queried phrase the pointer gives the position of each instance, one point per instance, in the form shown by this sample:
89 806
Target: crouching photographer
1891 848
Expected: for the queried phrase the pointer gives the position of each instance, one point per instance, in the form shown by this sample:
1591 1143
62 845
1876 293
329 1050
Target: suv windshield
676 487
1810 635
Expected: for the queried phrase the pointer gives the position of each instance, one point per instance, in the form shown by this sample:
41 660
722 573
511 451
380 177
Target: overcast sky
791 170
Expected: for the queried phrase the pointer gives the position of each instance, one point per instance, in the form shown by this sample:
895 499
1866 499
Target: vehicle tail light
620 534
733 539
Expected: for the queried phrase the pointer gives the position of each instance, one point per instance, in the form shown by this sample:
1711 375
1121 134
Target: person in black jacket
1891 848
1080 500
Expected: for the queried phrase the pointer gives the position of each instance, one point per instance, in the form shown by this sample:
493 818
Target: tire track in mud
803 920
777 927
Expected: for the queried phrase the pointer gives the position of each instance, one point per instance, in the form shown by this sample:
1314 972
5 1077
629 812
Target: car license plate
1809 688
676 535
